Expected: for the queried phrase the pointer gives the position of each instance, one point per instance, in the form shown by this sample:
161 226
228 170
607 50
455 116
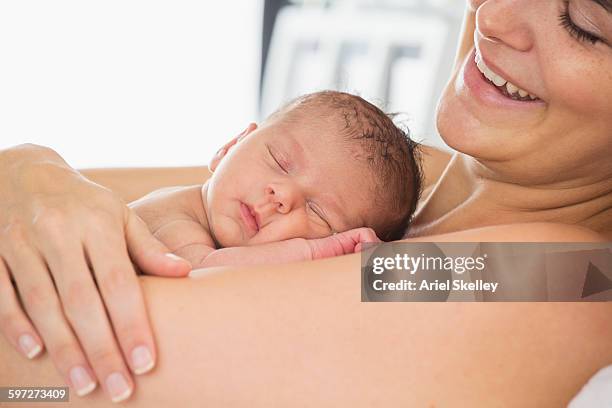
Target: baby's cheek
315 231
283 229
227 233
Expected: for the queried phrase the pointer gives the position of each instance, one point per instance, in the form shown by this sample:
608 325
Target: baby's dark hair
392 156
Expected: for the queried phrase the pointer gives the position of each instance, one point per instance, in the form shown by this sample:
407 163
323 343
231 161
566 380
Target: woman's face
558 51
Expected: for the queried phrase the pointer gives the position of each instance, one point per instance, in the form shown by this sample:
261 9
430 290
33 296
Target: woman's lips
248 218
487 93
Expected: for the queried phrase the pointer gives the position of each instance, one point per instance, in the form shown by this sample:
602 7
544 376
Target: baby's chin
231 234
257 239
227 235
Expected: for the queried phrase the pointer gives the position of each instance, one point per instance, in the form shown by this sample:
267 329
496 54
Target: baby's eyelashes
317 215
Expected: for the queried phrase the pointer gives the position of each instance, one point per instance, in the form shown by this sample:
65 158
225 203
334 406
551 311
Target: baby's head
326 162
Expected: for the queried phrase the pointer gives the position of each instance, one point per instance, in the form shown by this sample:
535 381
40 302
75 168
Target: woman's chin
468 133
461 131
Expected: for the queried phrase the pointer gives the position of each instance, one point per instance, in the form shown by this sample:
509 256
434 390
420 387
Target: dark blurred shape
595 282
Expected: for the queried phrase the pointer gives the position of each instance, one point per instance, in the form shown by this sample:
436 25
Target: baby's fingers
365 235
360 236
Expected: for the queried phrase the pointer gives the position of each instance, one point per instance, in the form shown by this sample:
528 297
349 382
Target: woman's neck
469 196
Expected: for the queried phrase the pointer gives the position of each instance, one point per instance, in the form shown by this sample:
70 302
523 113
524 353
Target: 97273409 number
31 394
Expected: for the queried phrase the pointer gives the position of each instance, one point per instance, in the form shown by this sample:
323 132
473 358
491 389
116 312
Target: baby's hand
342 243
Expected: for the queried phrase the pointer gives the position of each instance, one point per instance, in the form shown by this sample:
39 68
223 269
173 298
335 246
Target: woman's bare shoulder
520 232
433 162
436 153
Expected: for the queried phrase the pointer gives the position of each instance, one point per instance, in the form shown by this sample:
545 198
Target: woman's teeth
507 88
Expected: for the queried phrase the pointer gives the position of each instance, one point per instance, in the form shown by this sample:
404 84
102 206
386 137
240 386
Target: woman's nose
285 197
505 22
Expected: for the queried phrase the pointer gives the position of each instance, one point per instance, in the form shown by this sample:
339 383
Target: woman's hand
65 241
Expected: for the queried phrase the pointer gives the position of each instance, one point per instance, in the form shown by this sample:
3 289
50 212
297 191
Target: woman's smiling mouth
486 92
249 217
506 87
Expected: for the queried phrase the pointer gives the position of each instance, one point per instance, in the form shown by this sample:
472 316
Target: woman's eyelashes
578 33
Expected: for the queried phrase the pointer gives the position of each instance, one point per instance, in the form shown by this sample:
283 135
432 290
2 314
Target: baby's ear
214 162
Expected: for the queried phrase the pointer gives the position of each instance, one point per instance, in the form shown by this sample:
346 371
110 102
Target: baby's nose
284 197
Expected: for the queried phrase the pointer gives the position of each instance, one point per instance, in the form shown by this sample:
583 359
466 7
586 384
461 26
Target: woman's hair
391 154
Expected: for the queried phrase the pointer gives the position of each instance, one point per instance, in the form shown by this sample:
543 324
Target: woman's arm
299 335
519 232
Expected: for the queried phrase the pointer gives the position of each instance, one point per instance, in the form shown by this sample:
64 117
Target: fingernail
29 346
81 381
118 387
174 257
142 361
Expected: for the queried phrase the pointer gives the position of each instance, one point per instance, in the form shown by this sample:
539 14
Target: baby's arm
292 250
175 216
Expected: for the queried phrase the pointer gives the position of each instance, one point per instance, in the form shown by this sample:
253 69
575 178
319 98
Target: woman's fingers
124 301
85 312
42 305
47 213
13 321
150 254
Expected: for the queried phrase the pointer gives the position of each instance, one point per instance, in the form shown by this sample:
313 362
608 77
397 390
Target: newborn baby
319 177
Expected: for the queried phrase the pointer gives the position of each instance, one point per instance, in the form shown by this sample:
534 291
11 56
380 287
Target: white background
128 83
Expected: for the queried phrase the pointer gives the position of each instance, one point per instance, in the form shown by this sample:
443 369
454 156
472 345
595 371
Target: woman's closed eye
575 31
